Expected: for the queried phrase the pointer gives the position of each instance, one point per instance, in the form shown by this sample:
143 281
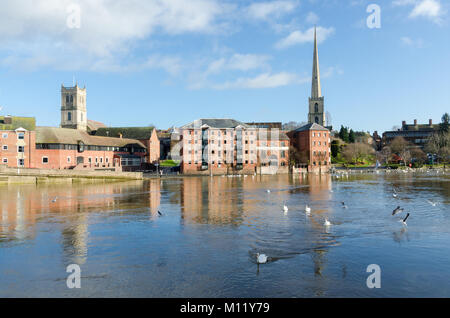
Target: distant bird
397 210
395 194
343 205
159 213
268 191
432 203
404 220
307 209
55 199
285 208
326 223
261 258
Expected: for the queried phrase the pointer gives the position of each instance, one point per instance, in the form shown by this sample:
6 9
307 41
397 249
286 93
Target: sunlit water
204 244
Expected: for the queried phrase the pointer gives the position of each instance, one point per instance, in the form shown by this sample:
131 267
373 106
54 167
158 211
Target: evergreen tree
351 136
343 134
445 124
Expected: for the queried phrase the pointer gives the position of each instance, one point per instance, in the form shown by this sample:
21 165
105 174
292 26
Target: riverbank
40 176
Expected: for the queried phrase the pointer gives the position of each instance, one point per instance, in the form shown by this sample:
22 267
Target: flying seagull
261 258
397 210
159 213
404 220
395 195
343 205
432 203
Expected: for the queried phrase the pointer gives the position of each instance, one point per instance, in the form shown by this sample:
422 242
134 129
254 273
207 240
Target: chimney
415 122
431 122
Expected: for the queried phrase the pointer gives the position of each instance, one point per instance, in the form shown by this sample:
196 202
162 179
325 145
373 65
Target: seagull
159 213
261 258
326 223
404 220
54 200
285 208
268 191
307 209
432 203
343 205
397 210
395 193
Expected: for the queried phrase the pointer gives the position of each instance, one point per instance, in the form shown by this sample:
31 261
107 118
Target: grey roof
140 133
215 123
66 136
312 126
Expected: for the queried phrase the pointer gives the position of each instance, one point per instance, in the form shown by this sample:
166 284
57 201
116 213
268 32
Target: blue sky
170 62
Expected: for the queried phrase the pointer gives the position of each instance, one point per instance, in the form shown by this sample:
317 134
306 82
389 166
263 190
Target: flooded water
205 242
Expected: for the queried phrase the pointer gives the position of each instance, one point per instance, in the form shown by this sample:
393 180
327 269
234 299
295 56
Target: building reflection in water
22 207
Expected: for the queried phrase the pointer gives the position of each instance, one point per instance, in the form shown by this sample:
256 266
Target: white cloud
106 26
430 9
265 80
312 18
298 37
240 62
417 43
265 10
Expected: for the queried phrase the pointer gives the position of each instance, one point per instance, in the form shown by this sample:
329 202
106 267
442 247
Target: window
318 135
5 160
317 120
21 162
44 160
68 159
20 149
316 108
69 116
5 147
90 160
21 135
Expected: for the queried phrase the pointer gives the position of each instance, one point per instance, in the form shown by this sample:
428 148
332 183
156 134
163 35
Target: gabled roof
13 122
66 136
140 133
312 126
215 123
93 125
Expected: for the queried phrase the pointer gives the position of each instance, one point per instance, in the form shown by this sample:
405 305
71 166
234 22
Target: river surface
205 242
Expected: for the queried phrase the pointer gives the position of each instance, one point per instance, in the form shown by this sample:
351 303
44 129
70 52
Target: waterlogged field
205 242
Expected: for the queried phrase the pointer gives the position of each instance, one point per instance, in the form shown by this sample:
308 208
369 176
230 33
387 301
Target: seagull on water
285 208
55 199
343 205
326 223
268 191
404 220
395 195
307 209
261 258
397 210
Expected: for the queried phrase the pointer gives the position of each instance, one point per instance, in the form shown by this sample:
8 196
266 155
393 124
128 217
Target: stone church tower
316 101
73 107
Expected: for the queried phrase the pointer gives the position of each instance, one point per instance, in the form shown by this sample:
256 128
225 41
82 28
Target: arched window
316 108
69 116
67 99
71 98
317 120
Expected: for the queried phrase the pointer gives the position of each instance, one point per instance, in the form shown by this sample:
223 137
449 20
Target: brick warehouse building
313 143
228 146
216 146
148 136
17 141
64 148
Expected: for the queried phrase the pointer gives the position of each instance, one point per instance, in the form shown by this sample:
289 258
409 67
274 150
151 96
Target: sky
169 62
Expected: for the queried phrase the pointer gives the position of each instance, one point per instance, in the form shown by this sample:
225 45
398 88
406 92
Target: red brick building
148 136
17 148
313 144
63 148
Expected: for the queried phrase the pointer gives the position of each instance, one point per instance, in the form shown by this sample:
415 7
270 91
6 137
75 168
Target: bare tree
384 155
357 152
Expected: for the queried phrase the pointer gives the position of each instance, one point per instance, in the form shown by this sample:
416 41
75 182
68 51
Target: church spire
316 91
